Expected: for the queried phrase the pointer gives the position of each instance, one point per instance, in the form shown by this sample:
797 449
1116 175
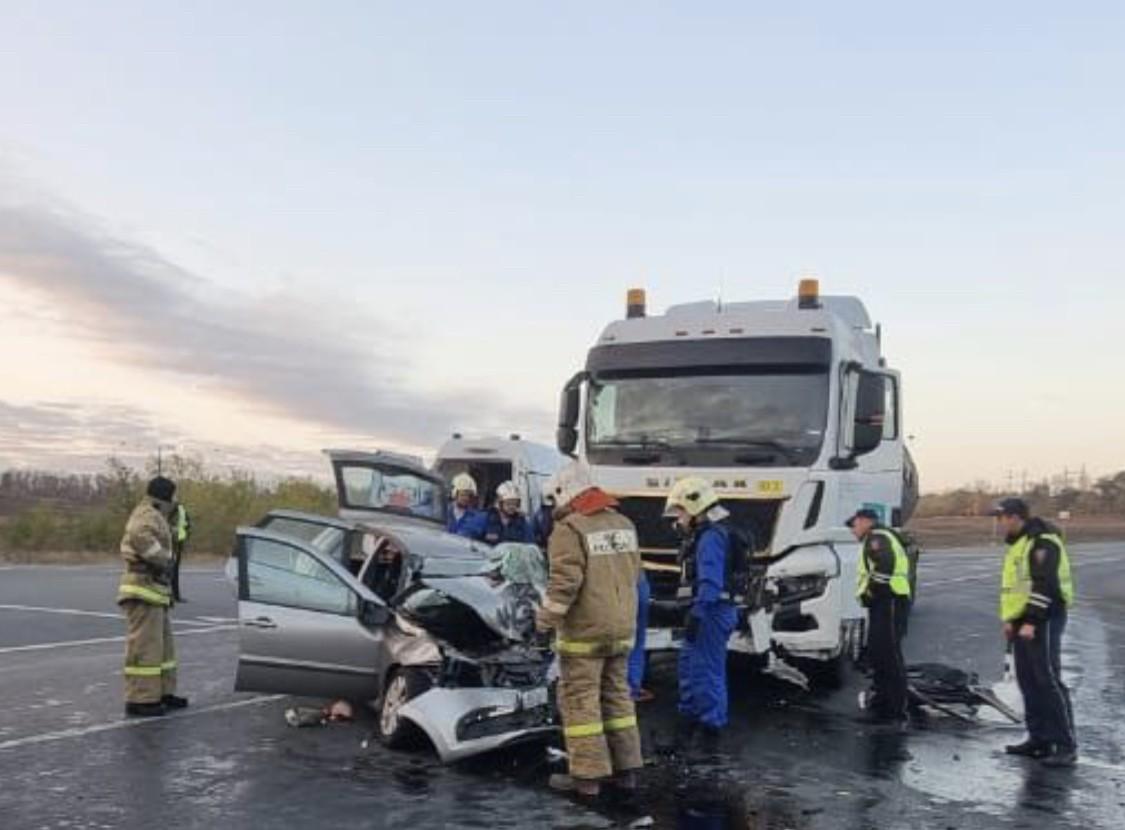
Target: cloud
325 364
81 437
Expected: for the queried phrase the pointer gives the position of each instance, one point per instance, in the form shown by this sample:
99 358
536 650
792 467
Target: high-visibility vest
181 525
1015 585
899 581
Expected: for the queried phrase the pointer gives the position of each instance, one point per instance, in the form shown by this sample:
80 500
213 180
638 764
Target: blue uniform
516 529
542 523
703 663
471 524
637 655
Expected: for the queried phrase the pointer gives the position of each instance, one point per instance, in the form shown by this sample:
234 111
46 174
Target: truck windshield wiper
788 452
649 448
639 442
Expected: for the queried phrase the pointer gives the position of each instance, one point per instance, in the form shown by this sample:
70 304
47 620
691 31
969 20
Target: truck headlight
799 588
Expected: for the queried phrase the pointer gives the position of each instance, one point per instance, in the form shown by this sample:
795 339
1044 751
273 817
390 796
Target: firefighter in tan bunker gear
145 595
591 603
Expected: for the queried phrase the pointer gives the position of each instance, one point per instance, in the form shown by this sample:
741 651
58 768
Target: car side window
280 574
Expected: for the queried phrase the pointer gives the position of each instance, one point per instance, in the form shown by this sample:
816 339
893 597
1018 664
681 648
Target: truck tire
404 684
854 637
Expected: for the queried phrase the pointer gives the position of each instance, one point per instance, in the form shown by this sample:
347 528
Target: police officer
145 596
706 560
181 532
504 522
591 602
883 588
1036 590
464 519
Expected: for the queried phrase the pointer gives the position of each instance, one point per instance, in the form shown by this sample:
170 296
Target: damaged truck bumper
461 723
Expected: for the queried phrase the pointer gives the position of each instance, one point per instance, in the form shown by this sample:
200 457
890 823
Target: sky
250 231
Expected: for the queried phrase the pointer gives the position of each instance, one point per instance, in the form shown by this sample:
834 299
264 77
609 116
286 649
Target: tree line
86 513
1105 497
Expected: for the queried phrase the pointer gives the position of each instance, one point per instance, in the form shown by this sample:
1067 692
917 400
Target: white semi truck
790 409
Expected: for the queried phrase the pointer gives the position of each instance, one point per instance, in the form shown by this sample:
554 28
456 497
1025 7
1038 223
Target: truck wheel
854 637
403 685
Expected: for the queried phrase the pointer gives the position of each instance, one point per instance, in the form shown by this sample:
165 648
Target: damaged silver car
447 653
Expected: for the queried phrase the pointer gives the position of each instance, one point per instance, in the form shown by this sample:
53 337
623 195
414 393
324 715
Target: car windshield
391 490
770 419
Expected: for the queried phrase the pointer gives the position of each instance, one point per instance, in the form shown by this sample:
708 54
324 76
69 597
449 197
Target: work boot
174 702
710 738
1030 748
585 788
1059 756
685 733
144 710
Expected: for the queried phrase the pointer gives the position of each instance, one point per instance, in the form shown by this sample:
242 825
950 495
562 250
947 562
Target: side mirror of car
373 613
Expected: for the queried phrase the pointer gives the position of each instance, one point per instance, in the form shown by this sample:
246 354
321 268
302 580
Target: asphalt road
796 760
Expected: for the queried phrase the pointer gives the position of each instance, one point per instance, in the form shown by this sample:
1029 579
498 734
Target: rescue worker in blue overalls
504 522
464 519
638 657
706 558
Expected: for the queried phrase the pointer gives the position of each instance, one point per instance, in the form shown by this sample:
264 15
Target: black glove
691 627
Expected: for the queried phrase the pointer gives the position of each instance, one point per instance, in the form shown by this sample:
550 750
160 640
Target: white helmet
464 483
508 492
693 494
568 483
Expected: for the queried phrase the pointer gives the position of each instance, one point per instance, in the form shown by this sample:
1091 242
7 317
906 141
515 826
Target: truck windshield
743 419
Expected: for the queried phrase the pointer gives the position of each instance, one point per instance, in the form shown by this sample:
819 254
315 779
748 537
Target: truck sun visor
810 352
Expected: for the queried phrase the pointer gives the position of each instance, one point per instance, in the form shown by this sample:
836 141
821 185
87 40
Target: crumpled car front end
491 686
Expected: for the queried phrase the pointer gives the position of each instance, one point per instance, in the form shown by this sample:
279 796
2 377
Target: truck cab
789 408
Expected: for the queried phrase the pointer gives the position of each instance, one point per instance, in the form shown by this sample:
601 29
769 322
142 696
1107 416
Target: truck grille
660 545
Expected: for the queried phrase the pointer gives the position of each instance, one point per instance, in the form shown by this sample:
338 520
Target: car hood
475 614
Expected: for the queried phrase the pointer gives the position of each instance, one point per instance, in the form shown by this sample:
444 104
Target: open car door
306 626
388 485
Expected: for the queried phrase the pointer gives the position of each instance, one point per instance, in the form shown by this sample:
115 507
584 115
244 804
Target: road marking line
81 731
99 640
103 614
1090 762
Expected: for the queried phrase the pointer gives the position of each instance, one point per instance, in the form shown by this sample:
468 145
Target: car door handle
260 622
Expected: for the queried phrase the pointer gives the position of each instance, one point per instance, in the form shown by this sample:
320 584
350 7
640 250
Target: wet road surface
792 759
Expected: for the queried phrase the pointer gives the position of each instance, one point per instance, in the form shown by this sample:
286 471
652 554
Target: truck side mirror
566 439
870 412
570 402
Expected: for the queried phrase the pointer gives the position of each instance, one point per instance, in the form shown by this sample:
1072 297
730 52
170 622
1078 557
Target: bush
217 504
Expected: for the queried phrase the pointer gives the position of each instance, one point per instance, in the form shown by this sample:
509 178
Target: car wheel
403 685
